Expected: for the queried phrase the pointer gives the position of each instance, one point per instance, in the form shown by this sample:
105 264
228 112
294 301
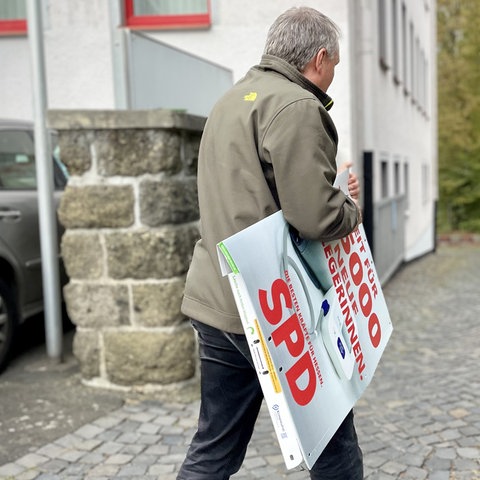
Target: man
268 144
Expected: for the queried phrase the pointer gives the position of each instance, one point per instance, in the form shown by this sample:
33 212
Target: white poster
317 324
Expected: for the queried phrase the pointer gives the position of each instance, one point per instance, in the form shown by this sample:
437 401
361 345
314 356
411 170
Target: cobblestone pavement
419 418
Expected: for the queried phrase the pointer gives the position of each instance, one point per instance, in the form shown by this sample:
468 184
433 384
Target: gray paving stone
131 471
160 469
103 471
88 445
148 428
51 450
157 450
447 453
10 470
132 449
92 458
143 417
128 426
108 421
72 455
441 475
31 460
165 459
27 475
53 466
145 459
69 440
414 473
89 431
472 453
119 459
128 438
109 448
48 476
76 469
148 439
109 435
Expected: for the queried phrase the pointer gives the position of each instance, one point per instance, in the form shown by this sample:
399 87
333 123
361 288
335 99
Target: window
406 179
395 59
384 179
17 161
421 80
159 14
404 49
426 104
13 17
416 73
425 184
412 61
396 177
382 34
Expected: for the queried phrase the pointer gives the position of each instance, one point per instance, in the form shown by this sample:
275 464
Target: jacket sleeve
301 145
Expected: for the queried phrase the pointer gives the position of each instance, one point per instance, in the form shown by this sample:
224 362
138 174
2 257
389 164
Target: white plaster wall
78 55
15 79
77 60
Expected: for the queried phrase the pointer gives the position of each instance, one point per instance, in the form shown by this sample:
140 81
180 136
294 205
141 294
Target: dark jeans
230 401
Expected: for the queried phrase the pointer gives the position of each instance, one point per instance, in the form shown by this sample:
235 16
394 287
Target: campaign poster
317 324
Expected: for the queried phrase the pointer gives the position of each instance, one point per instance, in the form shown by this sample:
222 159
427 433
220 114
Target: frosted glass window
158 14
13 17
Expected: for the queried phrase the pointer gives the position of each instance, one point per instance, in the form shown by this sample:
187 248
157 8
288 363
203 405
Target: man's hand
353 184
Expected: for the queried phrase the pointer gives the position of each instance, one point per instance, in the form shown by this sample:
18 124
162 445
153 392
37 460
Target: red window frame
13 27
193 20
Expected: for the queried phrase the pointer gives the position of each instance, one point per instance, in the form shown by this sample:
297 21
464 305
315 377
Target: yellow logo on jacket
250 97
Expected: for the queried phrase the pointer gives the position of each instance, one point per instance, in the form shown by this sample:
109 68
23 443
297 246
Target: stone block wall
130 214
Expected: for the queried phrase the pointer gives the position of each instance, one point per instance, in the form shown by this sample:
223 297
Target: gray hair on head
298 34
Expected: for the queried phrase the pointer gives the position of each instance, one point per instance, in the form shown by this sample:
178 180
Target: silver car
20 259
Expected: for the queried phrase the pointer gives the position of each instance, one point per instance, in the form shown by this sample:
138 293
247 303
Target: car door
19 210
19 226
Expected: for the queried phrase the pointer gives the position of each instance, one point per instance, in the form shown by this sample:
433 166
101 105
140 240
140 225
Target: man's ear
320 58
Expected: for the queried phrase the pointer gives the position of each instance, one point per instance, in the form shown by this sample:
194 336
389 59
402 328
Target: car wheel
8 322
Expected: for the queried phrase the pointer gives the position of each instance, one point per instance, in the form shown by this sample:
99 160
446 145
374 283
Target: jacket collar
270 62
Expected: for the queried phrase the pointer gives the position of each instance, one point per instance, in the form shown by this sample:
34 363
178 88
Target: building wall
77 61
371 111
395 121
15 81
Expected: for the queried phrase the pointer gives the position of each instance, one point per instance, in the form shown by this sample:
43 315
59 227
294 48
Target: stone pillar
130 214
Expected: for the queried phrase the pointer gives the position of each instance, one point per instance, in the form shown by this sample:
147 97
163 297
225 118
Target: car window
17 161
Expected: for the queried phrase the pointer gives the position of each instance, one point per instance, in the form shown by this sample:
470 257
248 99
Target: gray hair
298 34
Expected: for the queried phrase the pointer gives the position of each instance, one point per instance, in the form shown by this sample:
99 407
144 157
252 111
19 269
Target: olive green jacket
268 143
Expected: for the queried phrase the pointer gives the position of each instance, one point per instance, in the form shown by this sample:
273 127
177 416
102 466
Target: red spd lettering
300 376
279 290
303 367
290 332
